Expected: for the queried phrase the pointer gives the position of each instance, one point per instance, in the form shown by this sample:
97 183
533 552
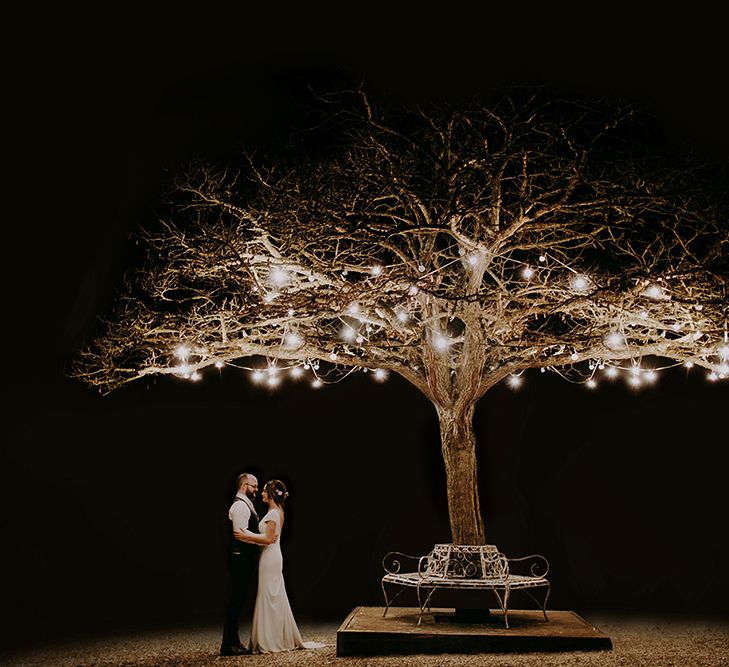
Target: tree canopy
455 246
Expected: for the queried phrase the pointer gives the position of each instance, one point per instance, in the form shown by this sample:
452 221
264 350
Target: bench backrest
466 561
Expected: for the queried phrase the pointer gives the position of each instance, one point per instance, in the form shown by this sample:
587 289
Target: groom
243 563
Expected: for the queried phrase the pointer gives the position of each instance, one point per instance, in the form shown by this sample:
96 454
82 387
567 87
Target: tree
457 247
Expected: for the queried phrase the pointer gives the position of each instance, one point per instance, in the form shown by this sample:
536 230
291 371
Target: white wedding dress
273 628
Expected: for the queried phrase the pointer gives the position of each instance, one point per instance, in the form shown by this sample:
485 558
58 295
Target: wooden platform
366 632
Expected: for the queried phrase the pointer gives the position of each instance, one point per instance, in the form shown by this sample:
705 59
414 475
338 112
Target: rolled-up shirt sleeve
240 514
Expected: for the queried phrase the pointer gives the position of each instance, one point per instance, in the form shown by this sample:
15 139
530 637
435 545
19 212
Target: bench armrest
394 561
536 565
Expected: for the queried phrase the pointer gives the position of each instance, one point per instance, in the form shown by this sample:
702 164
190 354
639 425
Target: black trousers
243 569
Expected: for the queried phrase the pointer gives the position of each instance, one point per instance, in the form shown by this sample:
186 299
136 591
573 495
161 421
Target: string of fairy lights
588 371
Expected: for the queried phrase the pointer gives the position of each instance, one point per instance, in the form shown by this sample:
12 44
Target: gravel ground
651 641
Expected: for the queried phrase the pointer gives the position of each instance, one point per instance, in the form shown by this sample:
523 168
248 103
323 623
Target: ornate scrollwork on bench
393 561
465 567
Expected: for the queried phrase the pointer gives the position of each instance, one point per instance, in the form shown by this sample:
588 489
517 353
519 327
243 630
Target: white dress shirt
240 513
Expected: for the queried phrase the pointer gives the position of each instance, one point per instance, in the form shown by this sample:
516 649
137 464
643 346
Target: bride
273 628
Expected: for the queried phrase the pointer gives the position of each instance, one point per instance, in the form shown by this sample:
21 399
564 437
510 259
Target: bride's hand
240 535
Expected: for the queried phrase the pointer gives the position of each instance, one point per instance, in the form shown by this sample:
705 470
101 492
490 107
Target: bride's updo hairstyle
276 489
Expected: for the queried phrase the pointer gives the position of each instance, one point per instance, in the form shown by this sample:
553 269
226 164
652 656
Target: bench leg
427 600
424 604
546 597
384 593
503 604
388 603
543 604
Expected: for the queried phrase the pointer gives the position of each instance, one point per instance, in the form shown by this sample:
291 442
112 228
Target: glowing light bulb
654 292
273 380
651 376
402 315
713 377
380 374
413 290
611 372
219 364
293 340
333 356
635 380
421 268
196 376
580 283
316 383
353 308
689 364
542 258
278 276
515 381
644 314
574 356
183 352
615 340
258 375
268 297
591 383
723 351
347 333
527 272
441 342
297 371
290 312
359 339
376 270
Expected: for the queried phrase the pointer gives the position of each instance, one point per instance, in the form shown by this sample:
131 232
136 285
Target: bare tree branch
455 247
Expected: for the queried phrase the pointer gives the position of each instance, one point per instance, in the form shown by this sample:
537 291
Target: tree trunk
458 444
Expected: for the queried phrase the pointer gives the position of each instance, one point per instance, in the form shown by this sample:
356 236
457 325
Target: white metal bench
466 567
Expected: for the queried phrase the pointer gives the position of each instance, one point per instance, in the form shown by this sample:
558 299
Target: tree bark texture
458 445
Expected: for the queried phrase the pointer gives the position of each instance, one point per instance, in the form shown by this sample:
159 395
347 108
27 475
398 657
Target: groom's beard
251 495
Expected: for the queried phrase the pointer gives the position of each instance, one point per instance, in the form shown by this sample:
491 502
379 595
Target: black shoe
237 649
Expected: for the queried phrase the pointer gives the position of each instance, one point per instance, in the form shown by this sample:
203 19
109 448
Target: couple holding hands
255 550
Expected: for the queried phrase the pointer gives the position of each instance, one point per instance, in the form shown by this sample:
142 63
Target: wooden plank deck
366 632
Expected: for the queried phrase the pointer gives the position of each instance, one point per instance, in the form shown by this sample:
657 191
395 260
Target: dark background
112 508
